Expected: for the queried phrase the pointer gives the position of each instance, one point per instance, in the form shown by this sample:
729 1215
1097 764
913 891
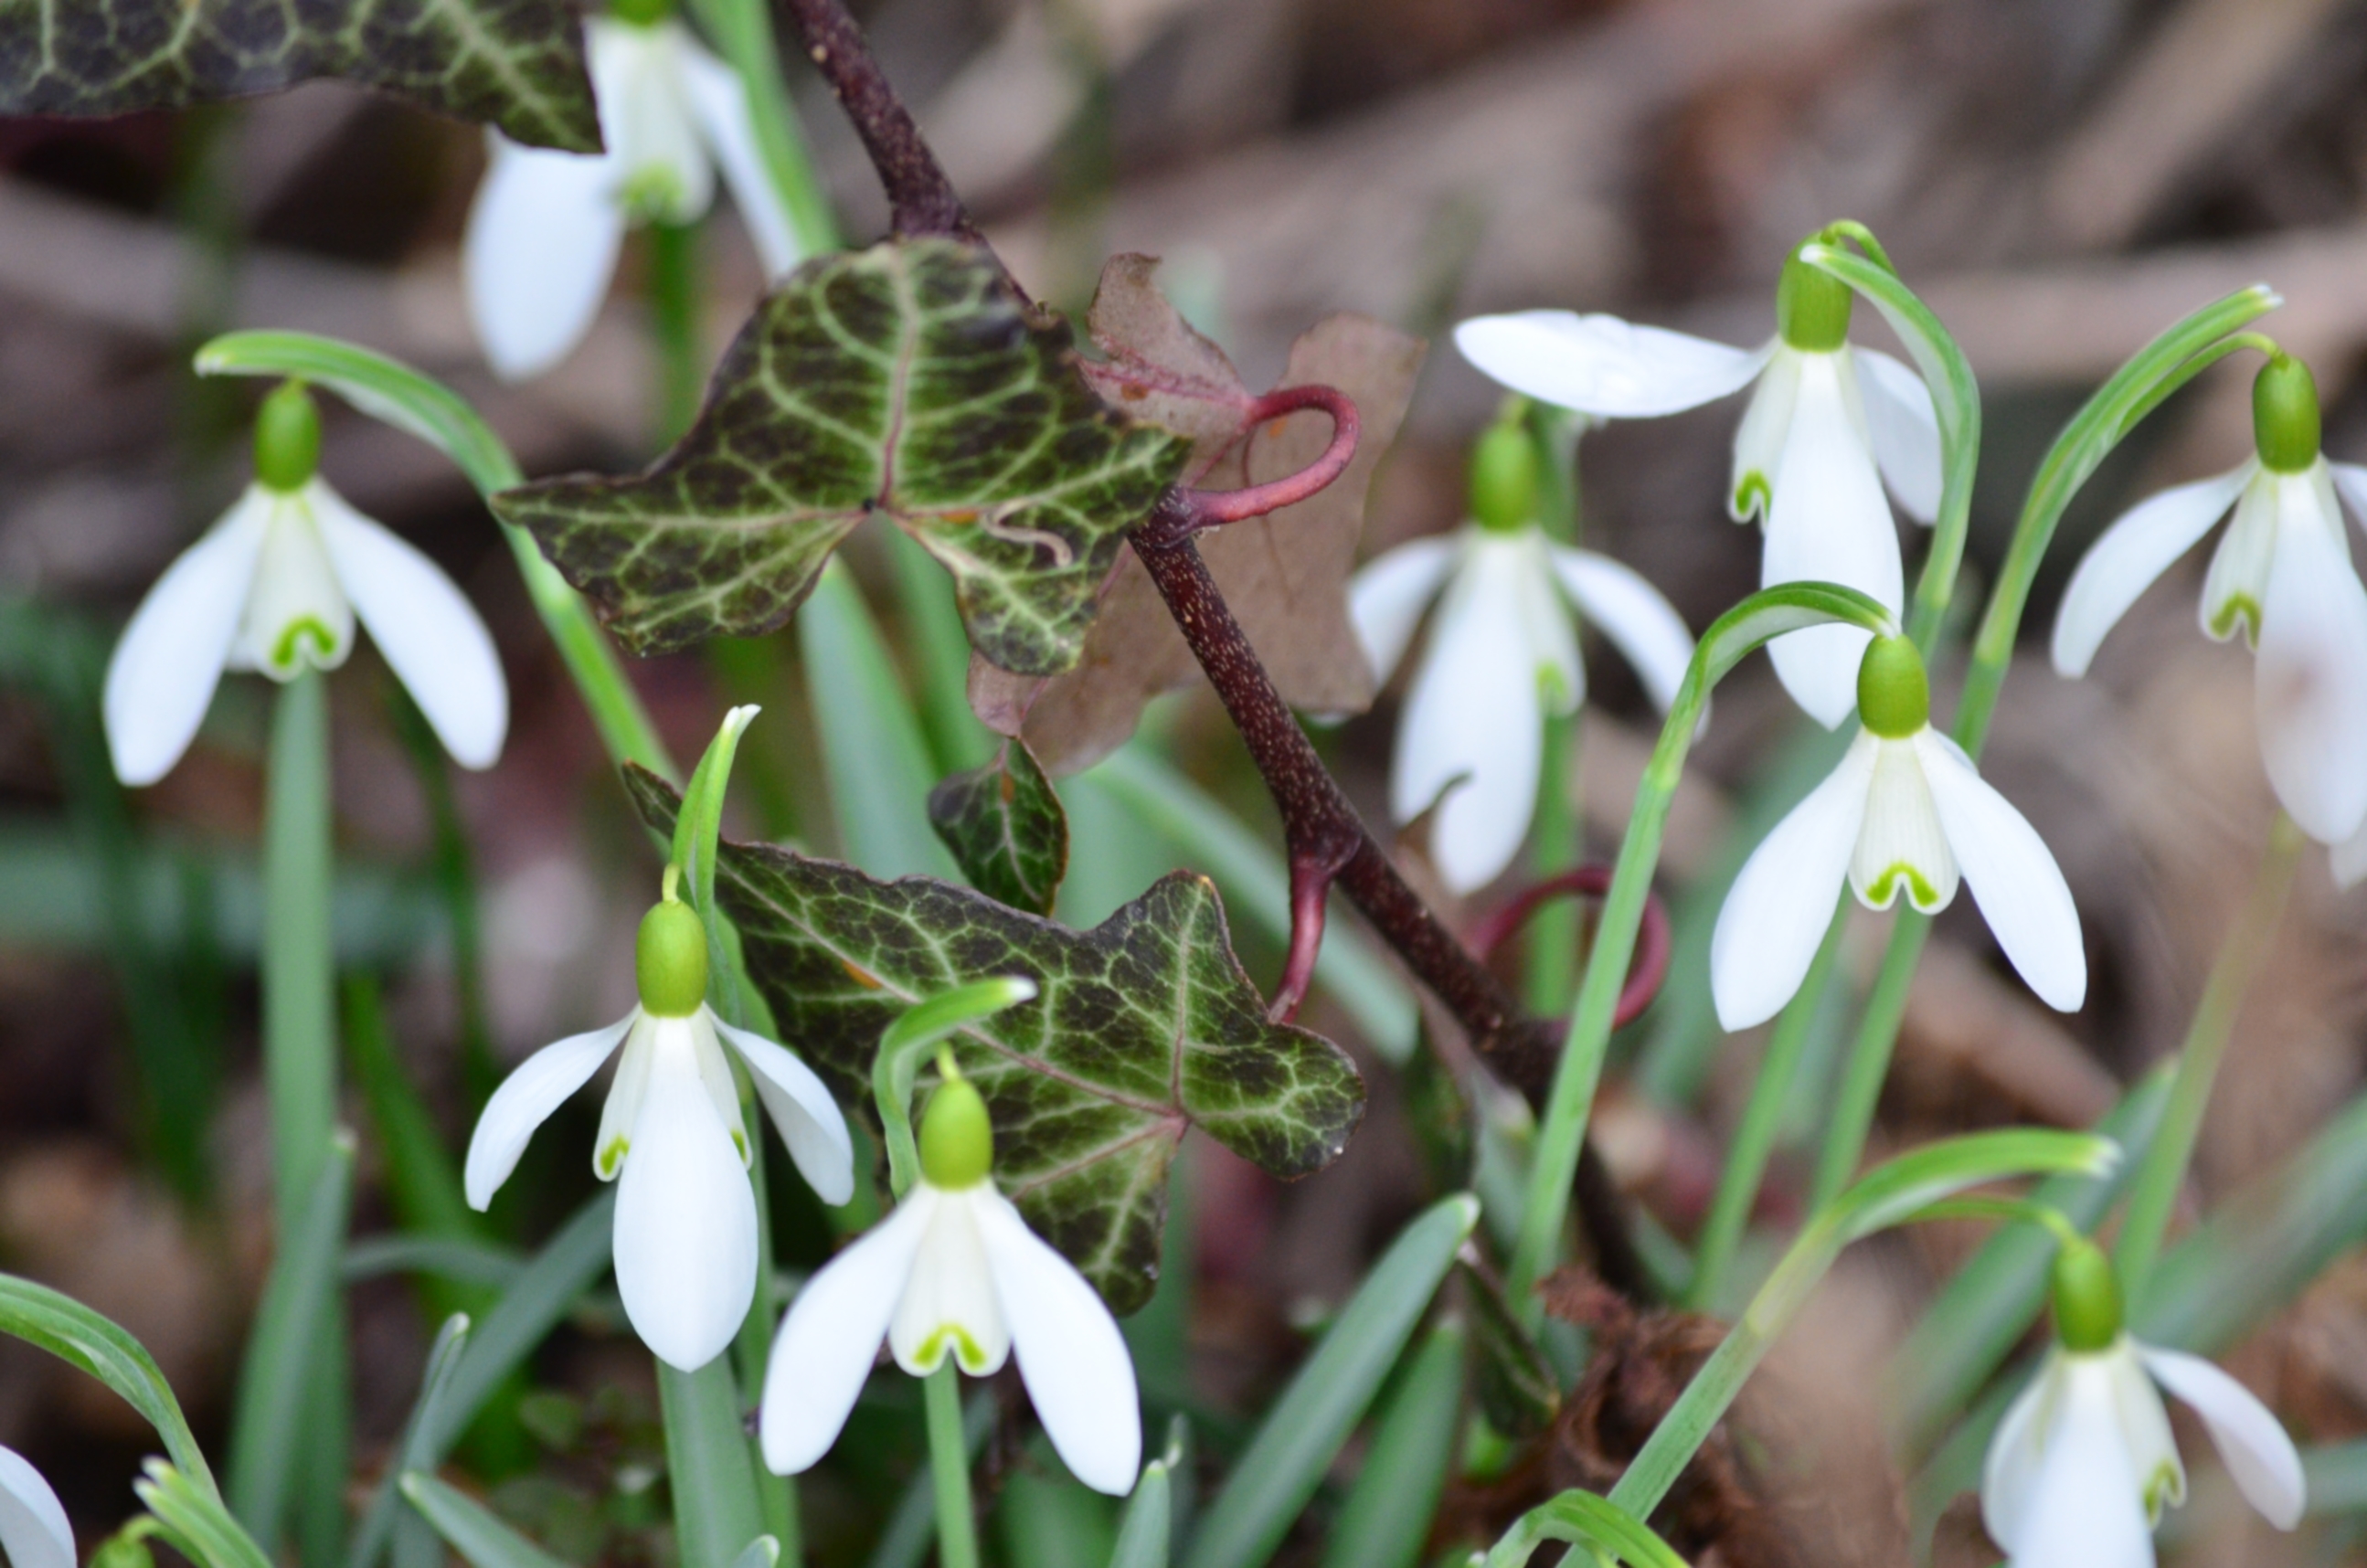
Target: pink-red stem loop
1183 513
1645 972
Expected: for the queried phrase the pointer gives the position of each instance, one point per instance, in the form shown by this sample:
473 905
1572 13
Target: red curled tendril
1183 513
1646 970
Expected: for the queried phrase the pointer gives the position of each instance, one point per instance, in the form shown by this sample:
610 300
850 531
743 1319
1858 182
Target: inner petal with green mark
1901 847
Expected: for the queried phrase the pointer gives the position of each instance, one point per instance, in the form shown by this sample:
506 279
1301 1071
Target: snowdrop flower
275 587
1905 812
1502 651
544 232
33 1529
2283 573
956 1271
2083 1463
1828 424
686 1230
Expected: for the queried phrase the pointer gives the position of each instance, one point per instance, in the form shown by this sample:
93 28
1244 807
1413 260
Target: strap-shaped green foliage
517 65
909 380
1006 828
1141 1028
86 1339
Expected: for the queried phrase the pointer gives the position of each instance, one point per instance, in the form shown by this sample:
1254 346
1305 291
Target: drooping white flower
1905 812
1502 652
276 587
2284 574
956 1271
546 227
33 1529
685 1226
2082 1465
1828 424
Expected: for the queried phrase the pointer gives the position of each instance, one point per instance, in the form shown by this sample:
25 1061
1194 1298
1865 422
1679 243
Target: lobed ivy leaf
909 380
1141 1028
517 65
1007 830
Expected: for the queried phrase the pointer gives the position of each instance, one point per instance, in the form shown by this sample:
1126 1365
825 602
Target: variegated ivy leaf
1142 1028
517 65
1007 830
908 380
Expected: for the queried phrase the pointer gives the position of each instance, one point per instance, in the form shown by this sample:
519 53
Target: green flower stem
709 1463
742 32
1746 1160
1549 945
2154 1190
1562 1129
673 323
949 1468
2163 365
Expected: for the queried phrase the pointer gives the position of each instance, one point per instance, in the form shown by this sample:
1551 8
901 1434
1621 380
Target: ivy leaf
517 65
1285 575
909 380
1143 1027
1007 830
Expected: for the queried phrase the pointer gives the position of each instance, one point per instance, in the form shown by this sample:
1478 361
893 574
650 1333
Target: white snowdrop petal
524 1101
424 628
2252 1442
541 245
2129 555
164 670
720 101
2351 480
1829 522
685 1232
1545 622
2015 882
2145 1430
1630 612
297 616
2348 859
2010 1471
1473 713
622 1108
663 172
1758 439
1901 847
830 1339
2310 681
1603 365
2238 578
949 1305
1904 429
1780 902
1388 593
2085 1509
33 1527
808 1120
1078 1370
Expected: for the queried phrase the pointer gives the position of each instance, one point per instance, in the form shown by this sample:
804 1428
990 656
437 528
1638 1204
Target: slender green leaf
872 751
415 1539
765 1552
1893 1191
1143 1027
908 381
2335 1478
913 1527
1145 1536
447 1258
1584 1520
1006 827
712 1473
517 65
1516 1387
471 1529
84 1340
701 822
194 1520
1387 1514
1303 1432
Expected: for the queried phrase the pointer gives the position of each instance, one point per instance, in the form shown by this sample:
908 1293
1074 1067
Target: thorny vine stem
1327 842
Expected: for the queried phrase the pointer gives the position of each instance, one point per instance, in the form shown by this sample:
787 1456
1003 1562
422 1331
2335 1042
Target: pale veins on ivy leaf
517 65
1143 1027
909 380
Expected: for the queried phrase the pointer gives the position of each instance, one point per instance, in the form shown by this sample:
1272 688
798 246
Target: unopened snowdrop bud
1812 307
1894 695
2087 1298
1504 479
2285 416
957 1139
286 438
670 960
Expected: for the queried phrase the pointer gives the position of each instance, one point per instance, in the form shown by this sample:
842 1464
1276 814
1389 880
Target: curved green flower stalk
1768 613
1584 1520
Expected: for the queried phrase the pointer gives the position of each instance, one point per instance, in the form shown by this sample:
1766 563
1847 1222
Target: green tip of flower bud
1504 479
2285 414
127 1547
957 1139
670 960
286 437
640 13
1812 307
2087 1298
1894 695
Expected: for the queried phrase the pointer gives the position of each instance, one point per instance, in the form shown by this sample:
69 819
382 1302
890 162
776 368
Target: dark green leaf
515 63
1006 828
1141 1028
1515 1383
911 380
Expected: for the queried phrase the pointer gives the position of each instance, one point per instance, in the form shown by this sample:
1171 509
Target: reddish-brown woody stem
920 200
1646 970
